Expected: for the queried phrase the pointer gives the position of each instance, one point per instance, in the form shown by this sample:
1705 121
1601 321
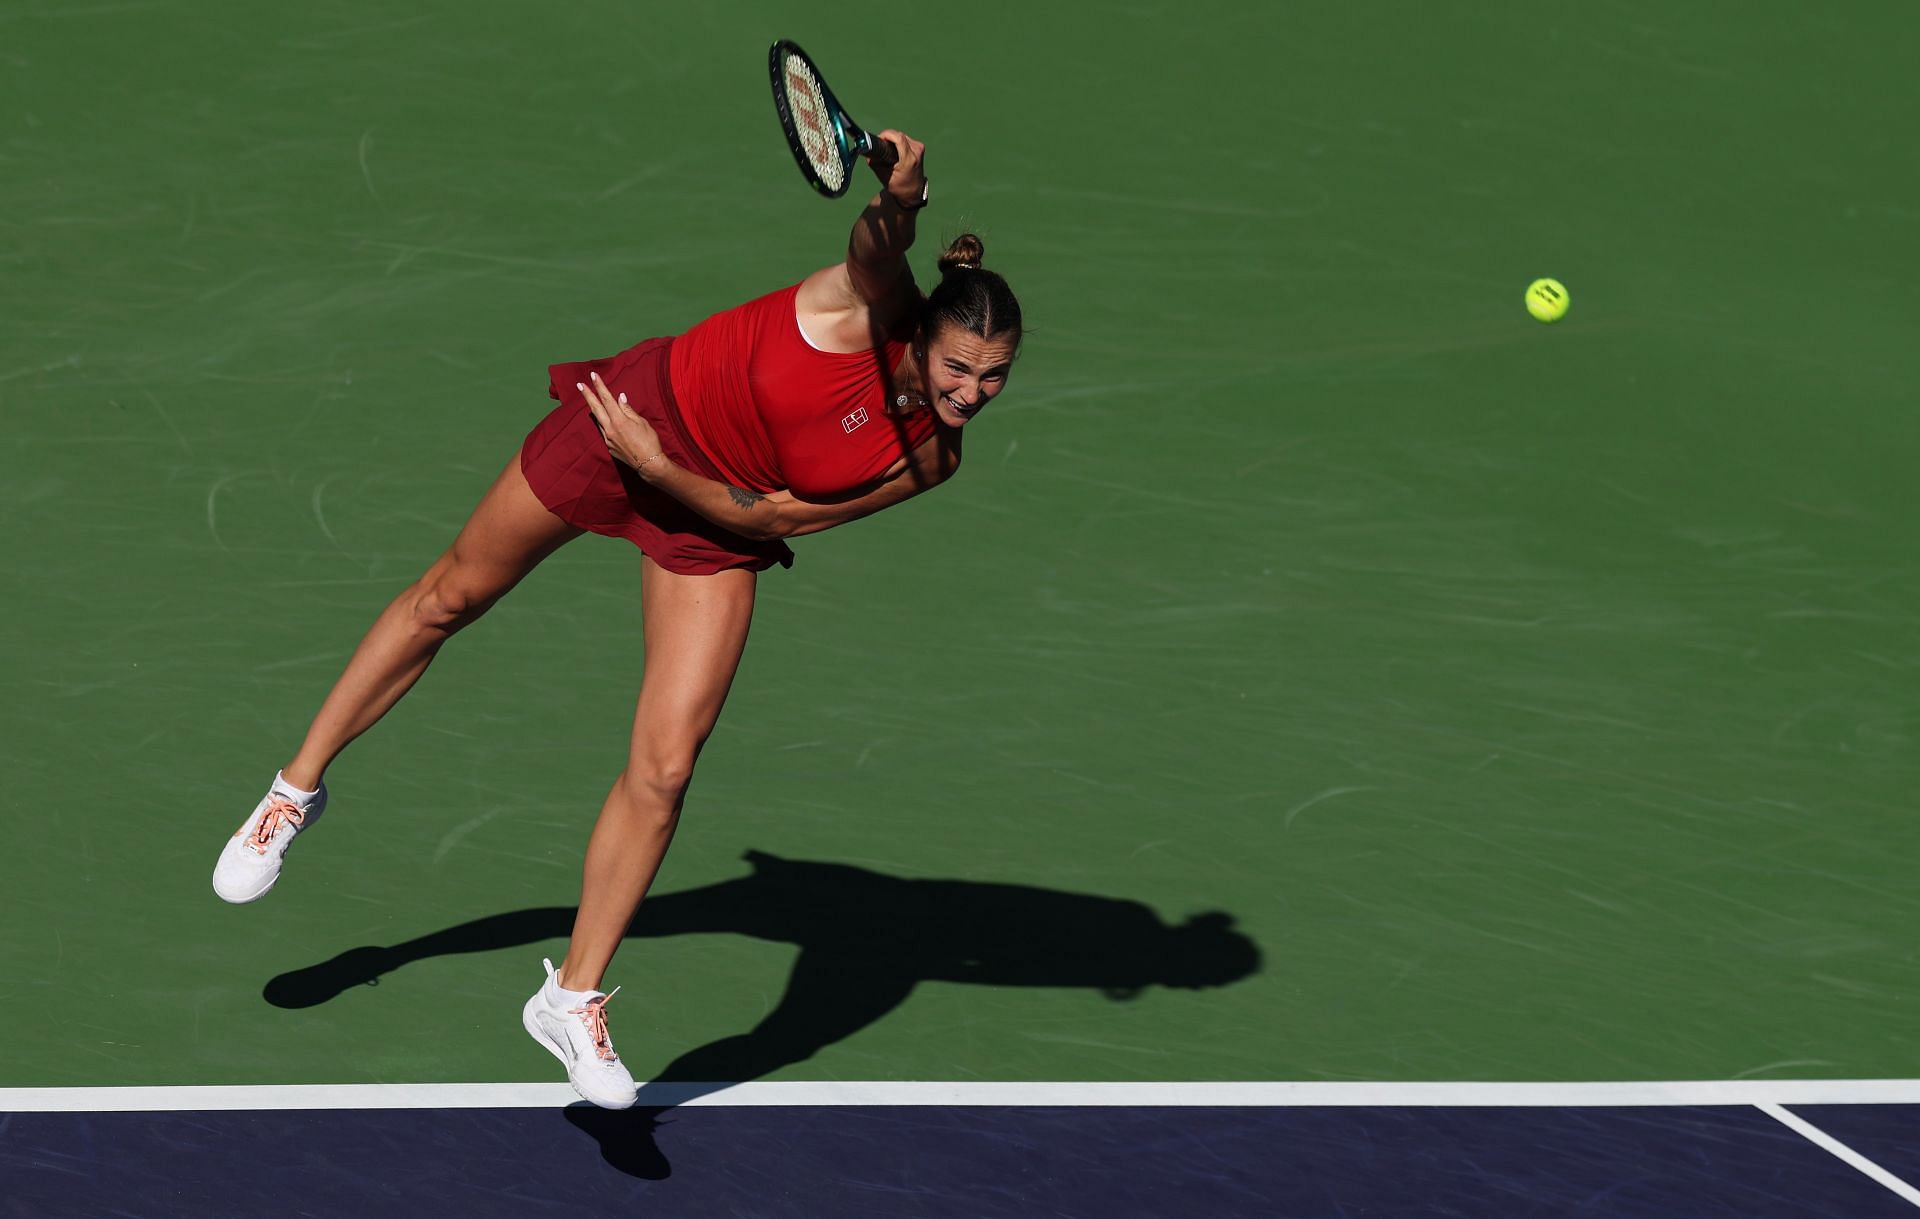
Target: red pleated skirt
570 470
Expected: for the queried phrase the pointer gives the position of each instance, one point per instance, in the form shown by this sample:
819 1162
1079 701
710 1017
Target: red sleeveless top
773 412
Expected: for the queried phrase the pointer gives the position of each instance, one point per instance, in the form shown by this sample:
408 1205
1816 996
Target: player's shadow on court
866 941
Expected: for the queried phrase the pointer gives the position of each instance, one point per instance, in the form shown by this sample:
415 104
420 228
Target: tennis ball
1547 299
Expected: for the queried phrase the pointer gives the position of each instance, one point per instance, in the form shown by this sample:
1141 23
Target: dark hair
970 296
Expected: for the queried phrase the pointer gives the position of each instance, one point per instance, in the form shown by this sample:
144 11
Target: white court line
1822 1139
1755 1092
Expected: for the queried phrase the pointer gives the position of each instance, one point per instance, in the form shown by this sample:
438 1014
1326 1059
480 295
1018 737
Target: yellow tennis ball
1547 299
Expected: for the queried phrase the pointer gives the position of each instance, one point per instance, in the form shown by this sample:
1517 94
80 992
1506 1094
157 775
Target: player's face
965 371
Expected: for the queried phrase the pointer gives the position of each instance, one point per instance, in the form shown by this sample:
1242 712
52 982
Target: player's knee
660 774
447 598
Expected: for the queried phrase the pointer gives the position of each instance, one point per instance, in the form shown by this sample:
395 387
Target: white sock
298 795
560 996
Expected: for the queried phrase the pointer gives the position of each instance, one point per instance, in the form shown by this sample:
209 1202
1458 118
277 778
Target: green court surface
1539 700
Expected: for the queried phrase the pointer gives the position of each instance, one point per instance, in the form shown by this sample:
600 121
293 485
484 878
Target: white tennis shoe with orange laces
576 1034
250 862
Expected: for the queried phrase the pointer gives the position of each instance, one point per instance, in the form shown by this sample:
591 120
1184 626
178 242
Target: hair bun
978 302
965 253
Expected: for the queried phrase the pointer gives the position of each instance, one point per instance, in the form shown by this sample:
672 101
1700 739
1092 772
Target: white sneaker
250 862
578 1037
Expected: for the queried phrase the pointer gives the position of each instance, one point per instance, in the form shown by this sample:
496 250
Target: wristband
910 207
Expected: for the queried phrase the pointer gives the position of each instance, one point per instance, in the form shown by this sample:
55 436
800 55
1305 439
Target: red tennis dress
742 398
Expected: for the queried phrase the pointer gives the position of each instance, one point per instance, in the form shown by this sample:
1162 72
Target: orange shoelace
279 812
594 1016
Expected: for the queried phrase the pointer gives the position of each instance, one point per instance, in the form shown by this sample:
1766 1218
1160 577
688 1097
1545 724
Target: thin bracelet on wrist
649 461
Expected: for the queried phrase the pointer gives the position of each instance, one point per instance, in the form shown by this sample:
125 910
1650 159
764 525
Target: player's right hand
899 161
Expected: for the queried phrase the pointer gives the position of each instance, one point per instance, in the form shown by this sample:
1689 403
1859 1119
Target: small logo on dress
854 420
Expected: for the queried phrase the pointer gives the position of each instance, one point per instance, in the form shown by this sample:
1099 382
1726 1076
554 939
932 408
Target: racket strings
812 124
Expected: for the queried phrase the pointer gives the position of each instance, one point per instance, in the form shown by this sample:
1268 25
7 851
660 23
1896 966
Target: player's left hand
630 439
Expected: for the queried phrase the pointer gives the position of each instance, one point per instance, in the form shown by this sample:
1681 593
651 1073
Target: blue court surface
1744 1149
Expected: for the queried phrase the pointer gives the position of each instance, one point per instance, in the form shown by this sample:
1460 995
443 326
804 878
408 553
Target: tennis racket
824 139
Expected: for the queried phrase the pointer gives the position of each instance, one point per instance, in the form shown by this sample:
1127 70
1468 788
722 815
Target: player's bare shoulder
836 316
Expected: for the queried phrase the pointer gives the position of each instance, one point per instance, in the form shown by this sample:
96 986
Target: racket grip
878 152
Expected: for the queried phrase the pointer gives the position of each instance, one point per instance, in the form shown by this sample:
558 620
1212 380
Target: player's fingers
594 408
611 408
889 146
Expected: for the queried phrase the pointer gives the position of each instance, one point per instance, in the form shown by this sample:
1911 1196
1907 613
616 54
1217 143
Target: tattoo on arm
743 497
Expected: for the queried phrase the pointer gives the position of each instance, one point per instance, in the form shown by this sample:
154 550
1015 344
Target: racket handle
877 151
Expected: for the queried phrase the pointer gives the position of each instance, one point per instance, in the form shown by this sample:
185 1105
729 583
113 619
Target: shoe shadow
866 941
625 1137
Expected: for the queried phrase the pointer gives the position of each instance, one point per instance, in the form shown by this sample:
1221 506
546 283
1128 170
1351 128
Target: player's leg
695 630
507 536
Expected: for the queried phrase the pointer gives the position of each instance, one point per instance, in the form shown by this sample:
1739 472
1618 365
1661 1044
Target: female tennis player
805 409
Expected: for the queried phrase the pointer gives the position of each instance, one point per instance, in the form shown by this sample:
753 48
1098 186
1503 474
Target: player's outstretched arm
877 249
850 304
752 514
